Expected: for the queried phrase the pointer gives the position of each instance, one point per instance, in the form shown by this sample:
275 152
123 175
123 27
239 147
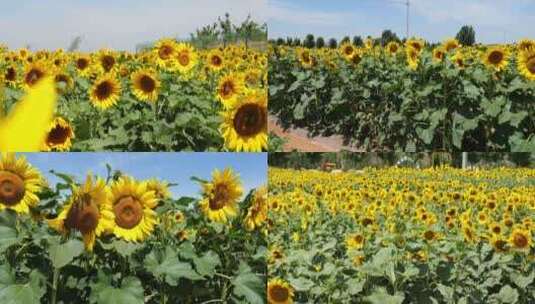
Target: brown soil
297 139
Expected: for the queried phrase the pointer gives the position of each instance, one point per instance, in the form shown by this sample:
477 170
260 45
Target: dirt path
297 139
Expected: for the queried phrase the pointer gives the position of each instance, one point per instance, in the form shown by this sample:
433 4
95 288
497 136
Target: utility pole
407 3
408 10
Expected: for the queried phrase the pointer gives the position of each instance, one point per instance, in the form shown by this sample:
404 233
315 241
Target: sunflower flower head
221 195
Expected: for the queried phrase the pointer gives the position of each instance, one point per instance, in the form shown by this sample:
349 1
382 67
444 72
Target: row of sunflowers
411 96
402 235
116 239
172 97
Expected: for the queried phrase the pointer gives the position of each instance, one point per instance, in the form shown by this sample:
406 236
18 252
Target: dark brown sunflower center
416 46
11 74
107 62
83 215
104 90
495 57
348 50
429 235
11 188
250 119
165 52
183 58
500 245
33 76
61 78
82 63
530 64
358 239
216 60
58 135
147 84
279 293
393 48
227 88
128 212
520 240
57 62
221 195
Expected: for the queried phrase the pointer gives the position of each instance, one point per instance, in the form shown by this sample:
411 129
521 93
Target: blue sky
495 21
118 24
173 167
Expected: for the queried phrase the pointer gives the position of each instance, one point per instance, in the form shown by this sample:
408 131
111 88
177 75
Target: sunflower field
409 97
401 235
115 239
171 97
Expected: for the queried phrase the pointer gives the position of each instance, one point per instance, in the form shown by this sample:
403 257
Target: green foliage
381 104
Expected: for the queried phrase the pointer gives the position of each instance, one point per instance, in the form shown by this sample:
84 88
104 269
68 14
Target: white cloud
118 27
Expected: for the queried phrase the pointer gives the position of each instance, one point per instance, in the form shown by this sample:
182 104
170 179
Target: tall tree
466 35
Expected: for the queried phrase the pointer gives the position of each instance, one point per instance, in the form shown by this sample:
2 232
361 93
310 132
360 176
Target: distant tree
281 41
75 44
388 36
357 41
205 36
346 39
227 30
320 42
466 35
289 41
333 43
297 41
250 30
309 41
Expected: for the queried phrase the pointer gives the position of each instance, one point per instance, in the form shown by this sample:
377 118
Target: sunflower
64 82
105 92
107 62
257 213
413 58
526 63
36 107
496 58
145 85
306 59
498 243
228 89
87 211
355 241
220 196
164 51
392 47
34 72
83 65
216 61
459 60
160 188
244 126
415 44
185 58
252 77
133 205
450 44
438 54
346 50
525 44
10 75
19 183
520 239
279 292
59 135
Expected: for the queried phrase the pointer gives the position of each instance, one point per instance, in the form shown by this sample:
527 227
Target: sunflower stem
54 293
